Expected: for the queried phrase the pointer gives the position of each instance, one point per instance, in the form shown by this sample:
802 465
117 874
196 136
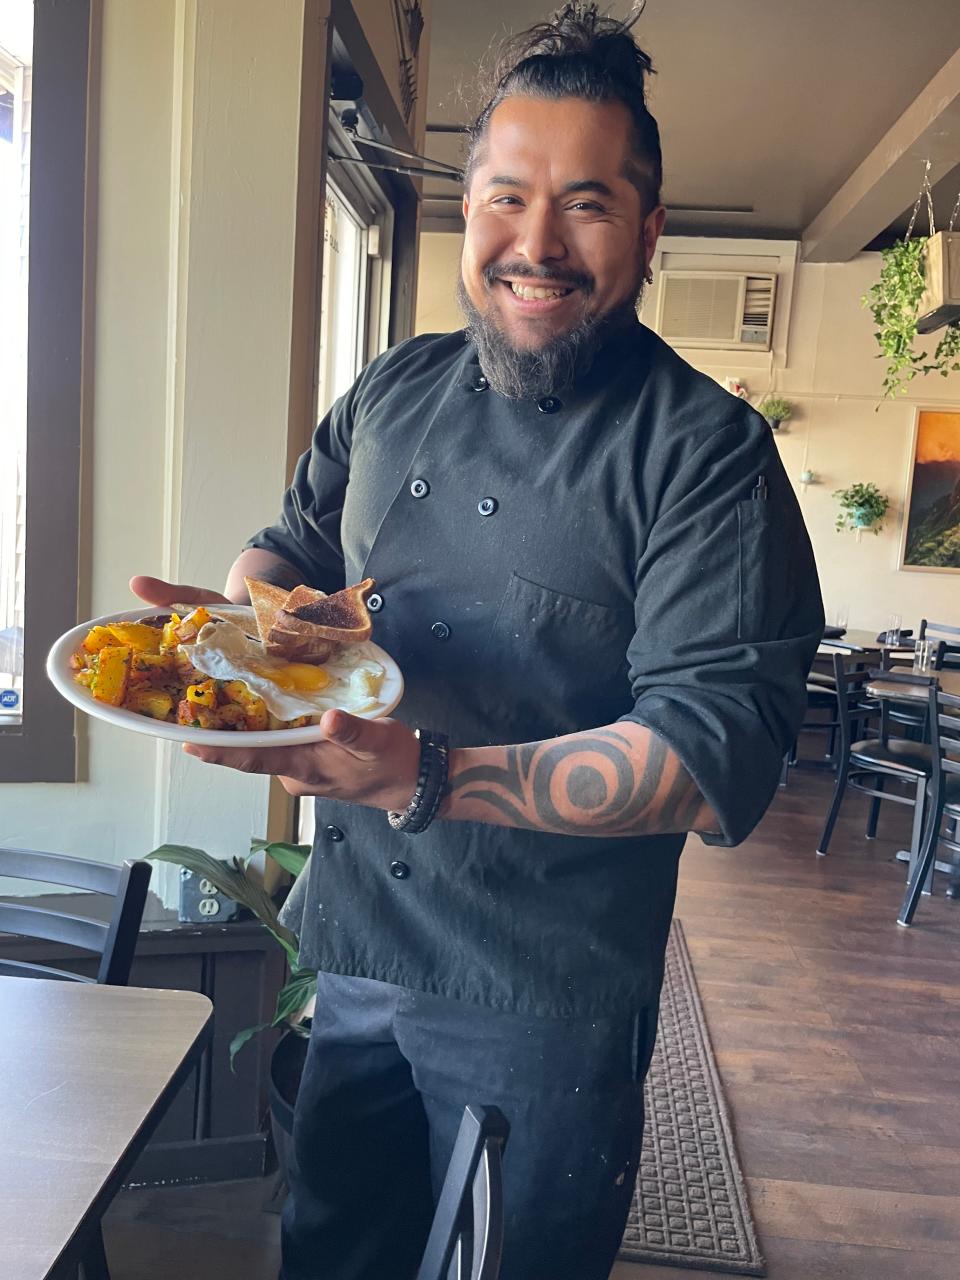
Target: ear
466 206
651 231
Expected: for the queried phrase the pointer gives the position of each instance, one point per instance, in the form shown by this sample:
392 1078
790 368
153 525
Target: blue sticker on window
9 699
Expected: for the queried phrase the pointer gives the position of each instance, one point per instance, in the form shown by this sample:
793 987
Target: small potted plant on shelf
862 506
776 410
294 1000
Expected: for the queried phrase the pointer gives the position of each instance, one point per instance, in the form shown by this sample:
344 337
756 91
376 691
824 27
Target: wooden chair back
466 1238
114 940
948 648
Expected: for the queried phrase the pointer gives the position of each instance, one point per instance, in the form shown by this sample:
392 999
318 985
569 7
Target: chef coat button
479 383
419 488
399 870
333 833
375 603
440 631
549 404
487 506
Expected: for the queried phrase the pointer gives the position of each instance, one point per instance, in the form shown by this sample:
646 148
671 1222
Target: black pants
388 1073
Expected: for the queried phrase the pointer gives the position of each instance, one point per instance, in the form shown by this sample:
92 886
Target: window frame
43 747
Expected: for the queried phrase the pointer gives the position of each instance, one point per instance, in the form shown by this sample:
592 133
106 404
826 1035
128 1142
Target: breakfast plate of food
263 673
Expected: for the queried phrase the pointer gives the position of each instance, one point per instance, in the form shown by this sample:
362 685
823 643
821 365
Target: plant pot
773 423
940 304
286 1068
861 519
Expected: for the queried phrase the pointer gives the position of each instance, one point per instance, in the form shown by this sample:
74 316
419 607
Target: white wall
841 429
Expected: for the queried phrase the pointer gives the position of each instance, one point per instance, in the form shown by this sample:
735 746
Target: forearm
264 565
618 780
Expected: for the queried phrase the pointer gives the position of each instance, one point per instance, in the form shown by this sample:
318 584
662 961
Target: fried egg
350 681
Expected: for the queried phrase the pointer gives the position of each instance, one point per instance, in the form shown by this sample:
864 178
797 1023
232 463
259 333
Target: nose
539 237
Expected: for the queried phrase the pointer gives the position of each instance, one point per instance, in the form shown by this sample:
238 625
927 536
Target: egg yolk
295 677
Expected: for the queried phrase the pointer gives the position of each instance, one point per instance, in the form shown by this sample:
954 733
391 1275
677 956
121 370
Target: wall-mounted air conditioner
726 310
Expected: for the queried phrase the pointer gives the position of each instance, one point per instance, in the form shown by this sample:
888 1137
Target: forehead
562 138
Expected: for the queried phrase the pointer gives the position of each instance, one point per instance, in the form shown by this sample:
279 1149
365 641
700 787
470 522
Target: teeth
526 291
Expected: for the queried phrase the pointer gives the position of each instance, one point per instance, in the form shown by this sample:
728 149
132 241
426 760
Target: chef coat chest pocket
764 569
561 659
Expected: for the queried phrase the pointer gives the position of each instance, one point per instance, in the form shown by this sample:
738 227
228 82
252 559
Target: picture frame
930 531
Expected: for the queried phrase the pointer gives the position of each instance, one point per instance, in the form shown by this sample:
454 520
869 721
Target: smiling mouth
536 292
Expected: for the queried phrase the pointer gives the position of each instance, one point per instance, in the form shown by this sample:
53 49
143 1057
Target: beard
529 373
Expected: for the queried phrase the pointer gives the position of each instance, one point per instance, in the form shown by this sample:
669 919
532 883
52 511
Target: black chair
944 799
466 1238
114 941
907 763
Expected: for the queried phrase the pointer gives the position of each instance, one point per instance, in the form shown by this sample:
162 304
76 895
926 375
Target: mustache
527 271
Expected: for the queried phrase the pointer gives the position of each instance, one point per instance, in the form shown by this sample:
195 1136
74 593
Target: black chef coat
544 567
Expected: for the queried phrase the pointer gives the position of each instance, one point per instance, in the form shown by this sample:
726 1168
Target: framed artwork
930 540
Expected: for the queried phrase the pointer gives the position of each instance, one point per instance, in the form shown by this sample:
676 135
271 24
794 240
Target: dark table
86 1073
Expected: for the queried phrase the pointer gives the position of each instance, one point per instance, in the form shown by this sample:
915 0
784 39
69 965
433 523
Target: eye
587 206
506 200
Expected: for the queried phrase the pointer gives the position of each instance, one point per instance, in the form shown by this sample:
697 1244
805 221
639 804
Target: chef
593 574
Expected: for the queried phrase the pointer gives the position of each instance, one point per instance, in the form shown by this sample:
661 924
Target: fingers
164 594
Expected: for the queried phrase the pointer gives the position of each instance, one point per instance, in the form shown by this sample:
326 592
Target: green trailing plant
776 408
862 506
894 302
233 879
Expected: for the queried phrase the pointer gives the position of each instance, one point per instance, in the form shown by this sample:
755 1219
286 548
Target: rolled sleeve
728 618
307 531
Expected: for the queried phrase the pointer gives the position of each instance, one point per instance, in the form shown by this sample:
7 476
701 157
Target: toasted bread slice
267 600
311 627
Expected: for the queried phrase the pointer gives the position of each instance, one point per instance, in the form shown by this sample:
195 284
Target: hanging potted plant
862 506
776 410
295 998
914 295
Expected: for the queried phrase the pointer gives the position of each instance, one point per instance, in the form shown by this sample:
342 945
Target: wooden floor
836 1034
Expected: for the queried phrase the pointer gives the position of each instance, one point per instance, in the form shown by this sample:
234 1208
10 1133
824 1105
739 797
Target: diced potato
98 638
186 670
150 702
85 677
152 668
232 716
198 716
191 624
273 722
203 695
254 707
112 675
168 636
140 637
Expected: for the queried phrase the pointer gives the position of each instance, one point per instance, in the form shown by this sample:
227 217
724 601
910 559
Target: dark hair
580 53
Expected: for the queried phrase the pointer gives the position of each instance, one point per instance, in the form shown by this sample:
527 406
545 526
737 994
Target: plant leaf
231 879
241 1038
296 992
292 857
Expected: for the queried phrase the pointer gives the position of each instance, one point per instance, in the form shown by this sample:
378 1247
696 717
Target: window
43 105
355 280
16 53
355 276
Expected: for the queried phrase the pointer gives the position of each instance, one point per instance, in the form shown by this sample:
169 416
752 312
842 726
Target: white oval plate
61 674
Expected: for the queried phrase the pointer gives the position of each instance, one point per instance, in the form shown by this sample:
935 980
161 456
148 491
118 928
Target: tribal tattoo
614 781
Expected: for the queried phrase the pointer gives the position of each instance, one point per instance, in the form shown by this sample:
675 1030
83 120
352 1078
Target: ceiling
763 105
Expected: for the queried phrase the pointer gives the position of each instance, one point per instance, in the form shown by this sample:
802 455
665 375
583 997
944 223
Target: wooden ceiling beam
887 181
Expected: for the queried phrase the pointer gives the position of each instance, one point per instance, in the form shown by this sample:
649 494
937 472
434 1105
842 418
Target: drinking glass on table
894 624
840 616
924 653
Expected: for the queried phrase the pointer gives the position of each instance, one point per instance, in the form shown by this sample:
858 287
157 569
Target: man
593 574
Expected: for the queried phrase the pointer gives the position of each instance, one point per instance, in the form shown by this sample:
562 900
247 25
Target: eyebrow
581 184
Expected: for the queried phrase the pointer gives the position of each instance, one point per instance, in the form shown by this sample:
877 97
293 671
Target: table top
856 641
85 1072
949 683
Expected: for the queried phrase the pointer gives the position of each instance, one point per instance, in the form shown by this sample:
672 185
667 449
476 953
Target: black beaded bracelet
430 788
